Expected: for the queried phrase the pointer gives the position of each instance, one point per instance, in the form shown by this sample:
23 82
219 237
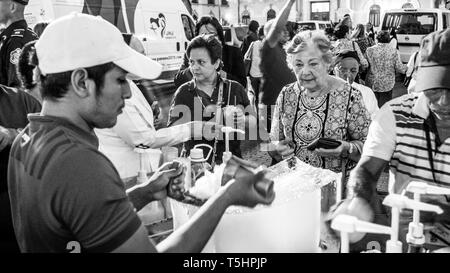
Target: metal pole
220 18
239 12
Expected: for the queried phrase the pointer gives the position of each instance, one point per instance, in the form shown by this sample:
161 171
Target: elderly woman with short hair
316 106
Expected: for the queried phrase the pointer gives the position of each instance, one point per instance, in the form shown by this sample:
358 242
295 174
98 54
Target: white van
165 27
313 25
412 25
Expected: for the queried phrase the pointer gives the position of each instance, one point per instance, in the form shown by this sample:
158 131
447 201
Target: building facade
361 11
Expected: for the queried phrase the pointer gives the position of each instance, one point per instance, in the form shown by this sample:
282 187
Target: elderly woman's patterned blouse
304 119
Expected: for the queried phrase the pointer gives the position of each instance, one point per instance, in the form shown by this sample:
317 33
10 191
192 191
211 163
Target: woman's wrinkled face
310 68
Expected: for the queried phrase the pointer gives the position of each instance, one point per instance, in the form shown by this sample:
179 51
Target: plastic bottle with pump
142 172
398 202
199 165
348 224
415 236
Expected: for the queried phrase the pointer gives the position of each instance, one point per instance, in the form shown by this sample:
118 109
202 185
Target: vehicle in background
313 25
412 25
164 27
234 35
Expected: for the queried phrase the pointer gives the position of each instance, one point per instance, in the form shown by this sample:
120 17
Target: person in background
393 38
347 20
12 39
255 70
318 105
64 192
39 28
15 105
274 67
343 43
370 31
384 62
251 36
233 62
135 128
411 135
360 37
27 71
205 93
347 67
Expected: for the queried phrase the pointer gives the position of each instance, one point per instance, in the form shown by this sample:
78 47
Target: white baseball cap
79 41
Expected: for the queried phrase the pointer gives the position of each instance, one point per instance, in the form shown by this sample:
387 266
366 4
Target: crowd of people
76 120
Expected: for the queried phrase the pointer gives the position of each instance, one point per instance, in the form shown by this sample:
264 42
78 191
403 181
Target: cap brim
432 77
139 66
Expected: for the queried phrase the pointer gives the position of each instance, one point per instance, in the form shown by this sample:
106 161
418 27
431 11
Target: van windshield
307 26
410 23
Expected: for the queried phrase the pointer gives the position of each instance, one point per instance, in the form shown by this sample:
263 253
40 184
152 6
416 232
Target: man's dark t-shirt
64 192
276 73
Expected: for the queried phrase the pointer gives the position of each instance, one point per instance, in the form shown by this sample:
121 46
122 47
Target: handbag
407 79
248 58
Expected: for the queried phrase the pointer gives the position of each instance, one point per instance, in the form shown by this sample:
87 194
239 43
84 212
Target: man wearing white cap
67 195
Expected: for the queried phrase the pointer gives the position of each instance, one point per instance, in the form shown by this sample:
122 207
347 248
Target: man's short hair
55 86
253 26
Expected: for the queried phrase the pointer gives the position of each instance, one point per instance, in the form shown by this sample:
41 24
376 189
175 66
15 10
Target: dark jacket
251 37
12 39
233 62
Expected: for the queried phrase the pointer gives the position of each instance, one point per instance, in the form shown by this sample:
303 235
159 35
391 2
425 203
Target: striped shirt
398 135
64 190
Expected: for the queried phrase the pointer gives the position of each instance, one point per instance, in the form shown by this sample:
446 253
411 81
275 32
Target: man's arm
193 236
184 73
363 180
276 30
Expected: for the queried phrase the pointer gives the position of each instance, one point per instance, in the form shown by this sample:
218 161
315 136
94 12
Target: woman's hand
284 148
340 151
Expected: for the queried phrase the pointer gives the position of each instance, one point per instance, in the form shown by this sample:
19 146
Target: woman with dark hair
251 36
233 61
360 37
39 28
27 70
207 92
343 43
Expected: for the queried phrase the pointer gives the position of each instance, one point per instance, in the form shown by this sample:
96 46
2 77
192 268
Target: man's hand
357 207
156 187
285 148
242 191
6 137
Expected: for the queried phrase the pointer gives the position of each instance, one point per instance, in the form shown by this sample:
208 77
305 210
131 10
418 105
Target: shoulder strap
345 128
